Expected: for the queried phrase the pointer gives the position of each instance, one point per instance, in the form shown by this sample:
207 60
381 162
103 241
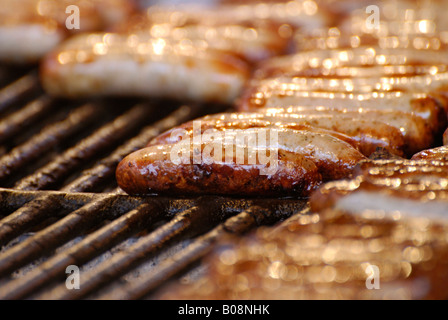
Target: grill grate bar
93 177
198 249
86 149
18 90
37 210
76 226
48 138
191 221
27 216
92 246
94 213
57 234
33 111
14 199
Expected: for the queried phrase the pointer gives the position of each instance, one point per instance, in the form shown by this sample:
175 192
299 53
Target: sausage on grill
252 39
420 180
272 95
128 65
297 14
330 254
406 80
152 169
31 28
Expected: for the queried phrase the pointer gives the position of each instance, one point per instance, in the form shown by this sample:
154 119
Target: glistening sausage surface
301 156
365 135
31 28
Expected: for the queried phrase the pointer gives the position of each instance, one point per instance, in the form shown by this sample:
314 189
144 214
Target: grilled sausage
225 122
151 170
26 44
428 35
327 255
126 65
401 65
290 96
352 72
394 168
252 39
382 206
331 157
298 14
31 28
418 134
436 154
328 195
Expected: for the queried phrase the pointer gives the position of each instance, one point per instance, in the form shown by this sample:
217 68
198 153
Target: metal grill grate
60 206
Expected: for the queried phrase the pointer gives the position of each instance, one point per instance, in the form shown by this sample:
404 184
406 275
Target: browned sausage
413 179
124 65
252 39
332 158
151 171
436 154
394 168
224 122
329 194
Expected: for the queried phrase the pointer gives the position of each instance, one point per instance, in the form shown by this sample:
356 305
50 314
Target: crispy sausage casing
239 121
151 170
417 180
400 88
345 76
252 39
436 154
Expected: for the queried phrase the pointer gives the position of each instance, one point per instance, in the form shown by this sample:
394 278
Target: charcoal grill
60 205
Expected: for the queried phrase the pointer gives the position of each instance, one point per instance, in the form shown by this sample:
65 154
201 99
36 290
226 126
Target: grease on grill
308 258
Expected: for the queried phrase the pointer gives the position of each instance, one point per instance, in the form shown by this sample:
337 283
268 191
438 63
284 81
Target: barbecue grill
60 205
